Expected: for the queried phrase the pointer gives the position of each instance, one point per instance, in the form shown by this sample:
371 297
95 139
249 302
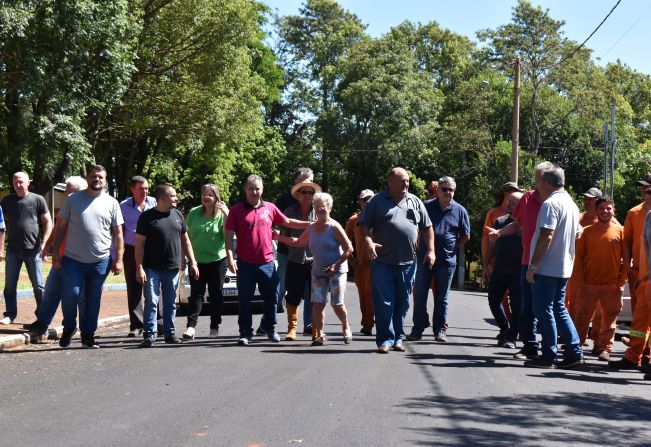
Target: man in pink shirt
525 216
251 221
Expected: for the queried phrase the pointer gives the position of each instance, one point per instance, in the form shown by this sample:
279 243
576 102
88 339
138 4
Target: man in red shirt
251 221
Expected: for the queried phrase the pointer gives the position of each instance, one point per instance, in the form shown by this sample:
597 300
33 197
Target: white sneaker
6 320
214 333
189 333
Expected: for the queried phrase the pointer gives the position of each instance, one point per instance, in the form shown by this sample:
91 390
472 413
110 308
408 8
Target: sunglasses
446 189
307 192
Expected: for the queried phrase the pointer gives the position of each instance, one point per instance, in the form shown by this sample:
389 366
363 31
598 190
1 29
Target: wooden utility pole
515 134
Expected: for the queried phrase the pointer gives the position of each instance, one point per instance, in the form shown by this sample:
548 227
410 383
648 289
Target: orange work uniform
362 272
633 227
599 278
571 288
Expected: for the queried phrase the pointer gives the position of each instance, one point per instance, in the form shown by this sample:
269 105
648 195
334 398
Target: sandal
348 336
317 342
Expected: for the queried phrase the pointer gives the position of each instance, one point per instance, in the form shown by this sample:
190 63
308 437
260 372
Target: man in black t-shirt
161 239
22 212
507 252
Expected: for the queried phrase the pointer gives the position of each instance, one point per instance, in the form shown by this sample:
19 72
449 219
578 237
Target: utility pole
605 187
612 152
515 134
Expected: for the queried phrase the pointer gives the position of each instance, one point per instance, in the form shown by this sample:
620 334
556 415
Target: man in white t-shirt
89 220
550 266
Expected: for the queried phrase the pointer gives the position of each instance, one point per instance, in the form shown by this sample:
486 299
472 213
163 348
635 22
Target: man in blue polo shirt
451 230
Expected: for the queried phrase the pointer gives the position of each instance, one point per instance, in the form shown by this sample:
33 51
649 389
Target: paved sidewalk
113 311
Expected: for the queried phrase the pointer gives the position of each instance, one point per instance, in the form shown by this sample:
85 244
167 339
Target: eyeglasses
446 189
307 192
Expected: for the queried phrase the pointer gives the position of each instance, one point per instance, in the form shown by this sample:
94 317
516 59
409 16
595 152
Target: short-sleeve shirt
299 255
131 213
449 225
22 215
526 214
560 214
163 231
508 249
252 227
395 226
285 201
206 235
90 223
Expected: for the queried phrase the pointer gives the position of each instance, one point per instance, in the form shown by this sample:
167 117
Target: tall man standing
390 224
451 225
551 263
22 212
132 208
251 221
88 220
161 234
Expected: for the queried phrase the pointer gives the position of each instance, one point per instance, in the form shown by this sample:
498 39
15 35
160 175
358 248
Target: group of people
548 267
560 271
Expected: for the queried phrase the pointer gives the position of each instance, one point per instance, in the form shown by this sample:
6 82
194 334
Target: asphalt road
212 392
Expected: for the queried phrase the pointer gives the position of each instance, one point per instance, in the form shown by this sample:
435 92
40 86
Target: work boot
292 321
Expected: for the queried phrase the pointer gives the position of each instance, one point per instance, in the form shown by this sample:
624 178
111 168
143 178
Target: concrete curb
28 293
14 340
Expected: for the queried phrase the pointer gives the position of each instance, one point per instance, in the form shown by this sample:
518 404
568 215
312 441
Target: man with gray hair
451 225
390 224
54 281
550 266
22 213
525 216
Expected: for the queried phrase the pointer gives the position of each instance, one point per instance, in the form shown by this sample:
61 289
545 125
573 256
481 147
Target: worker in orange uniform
639 333
599 277
362 265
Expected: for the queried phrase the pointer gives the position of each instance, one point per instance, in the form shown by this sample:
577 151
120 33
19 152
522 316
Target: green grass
24 284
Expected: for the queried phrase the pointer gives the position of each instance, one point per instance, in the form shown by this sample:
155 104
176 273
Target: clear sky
626 35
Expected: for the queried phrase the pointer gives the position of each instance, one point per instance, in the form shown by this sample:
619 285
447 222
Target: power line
626 32
586 40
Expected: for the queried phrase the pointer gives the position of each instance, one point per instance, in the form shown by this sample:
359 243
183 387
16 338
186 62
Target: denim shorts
335 284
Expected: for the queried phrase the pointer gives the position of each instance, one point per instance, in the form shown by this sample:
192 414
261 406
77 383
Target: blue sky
626 35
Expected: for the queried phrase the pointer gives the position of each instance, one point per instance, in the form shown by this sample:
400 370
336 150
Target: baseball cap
593 192
365 193
510 186
646 181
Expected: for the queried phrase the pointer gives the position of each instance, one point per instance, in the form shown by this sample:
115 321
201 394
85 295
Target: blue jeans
497 286
549 308
52 298
266 277
392 285
89 278
282 268
159 282
13 263
443 276
528 322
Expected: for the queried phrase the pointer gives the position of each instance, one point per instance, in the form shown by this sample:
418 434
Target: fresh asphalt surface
212 392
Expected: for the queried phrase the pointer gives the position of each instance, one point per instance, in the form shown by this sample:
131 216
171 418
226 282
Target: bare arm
463 239
189 253
2 245
300 241
46 220
428 240
118 242
59 234
139 254
489 253
370 245
346 246
297 224
542 245
230 259
508 230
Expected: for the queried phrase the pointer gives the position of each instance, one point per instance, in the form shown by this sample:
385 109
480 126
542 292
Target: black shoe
30 326
647 376
66 337
134 333
414 337
260 331
172 339
540 362
526 354
307 331
508 344
88 342
147 342
570 362
623 364
366 331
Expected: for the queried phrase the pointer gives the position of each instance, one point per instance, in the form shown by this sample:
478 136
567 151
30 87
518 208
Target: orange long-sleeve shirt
491 216
355 235
633 227
598 257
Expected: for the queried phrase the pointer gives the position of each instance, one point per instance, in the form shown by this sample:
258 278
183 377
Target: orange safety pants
633 285
363 283
609 297
640 326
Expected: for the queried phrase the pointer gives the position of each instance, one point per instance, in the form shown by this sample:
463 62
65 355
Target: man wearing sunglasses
451 225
